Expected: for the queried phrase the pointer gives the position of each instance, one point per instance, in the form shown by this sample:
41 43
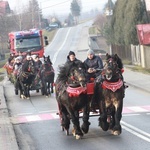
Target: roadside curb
136 79
7 135
137 87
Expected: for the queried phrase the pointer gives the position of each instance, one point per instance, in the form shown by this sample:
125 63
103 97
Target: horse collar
113 86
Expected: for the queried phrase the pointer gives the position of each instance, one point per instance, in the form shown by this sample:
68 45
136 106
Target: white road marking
128 115
50 111
137 109
56 53
33 118
139 133
23 114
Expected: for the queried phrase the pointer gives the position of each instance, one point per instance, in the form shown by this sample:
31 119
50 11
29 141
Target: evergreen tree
126 15
75 10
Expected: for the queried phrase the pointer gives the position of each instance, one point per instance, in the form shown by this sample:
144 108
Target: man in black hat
72 58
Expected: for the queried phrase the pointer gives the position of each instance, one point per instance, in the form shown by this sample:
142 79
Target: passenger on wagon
72 58
17 63
38 63
12 56
93 65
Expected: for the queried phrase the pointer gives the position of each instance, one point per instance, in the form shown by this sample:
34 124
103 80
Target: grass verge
50 34
139 69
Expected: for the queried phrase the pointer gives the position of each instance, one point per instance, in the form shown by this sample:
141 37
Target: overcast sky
59 6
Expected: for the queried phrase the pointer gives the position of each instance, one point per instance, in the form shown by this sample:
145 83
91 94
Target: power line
55 4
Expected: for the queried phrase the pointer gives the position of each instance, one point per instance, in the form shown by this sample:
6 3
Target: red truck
24 41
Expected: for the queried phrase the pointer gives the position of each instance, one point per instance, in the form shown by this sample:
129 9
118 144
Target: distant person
11 57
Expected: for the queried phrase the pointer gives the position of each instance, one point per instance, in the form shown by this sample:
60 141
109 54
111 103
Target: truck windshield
27 43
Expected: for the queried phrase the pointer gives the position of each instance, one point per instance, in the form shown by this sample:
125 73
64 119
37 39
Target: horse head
76 74
47 63
47 60
29 66
111 69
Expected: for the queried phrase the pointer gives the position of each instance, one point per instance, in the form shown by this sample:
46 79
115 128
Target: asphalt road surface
37 125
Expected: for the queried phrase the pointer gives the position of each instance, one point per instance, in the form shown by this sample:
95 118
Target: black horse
111 94
47 76
72 97
25 77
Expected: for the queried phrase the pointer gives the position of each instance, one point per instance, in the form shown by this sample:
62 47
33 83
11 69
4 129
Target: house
4 8
147 5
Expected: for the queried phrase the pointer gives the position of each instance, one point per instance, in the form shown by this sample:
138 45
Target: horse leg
117 116
103 116
44 88
48 88
76 124
22 90
86 123
16 86
27 91
65 122
52 83
64 118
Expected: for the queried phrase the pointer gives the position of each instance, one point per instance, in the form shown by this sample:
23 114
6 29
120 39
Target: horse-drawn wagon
29 77
104 95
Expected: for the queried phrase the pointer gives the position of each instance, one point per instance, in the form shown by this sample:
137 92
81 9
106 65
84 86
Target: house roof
4 7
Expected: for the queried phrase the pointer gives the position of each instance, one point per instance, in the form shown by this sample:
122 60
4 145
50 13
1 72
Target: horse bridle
73 77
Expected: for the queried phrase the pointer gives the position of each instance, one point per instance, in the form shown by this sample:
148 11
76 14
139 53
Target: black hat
71 53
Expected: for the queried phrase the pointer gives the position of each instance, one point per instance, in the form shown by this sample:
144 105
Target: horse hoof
115 132
22 96
78 137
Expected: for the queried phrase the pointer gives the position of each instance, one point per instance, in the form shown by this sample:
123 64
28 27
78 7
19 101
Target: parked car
54 25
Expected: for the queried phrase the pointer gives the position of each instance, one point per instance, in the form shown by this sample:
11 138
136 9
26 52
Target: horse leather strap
25 74
75 92
113 86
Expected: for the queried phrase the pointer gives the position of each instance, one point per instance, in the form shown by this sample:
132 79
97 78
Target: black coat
95 63
75 61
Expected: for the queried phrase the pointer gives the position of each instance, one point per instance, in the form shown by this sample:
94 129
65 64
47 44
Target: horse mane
116 58
65 69
25 64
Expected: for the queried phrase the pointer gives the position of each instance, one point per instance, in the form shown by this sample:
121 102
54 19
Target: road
37 127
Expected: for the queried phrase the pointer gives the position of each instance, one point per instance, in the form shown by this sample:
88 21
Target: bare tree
100 22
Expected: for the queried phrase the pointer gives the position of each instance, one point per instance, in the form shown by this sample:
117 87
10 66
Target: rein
25 74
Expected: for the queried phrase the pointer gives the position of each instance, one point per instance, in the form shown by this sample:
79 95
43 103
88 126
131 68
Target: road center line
56 53
136 131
